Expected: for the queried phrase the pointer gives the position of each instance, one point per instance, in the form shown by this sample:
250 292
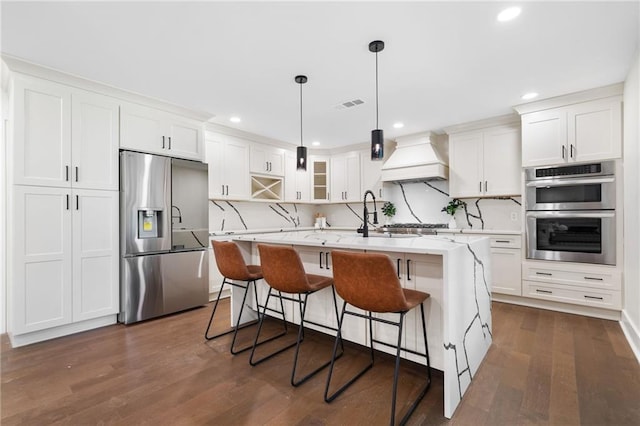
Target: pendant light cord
377 126
301 144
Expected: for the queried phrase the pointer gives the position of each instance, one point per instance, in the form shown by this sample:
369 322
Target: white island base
454 270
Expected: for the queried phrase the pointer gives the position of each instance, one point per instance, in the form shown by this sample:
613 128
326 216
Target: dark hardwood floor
543 368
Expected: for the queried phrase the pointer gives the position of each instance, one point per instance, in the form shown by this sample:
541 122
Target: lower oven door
572 236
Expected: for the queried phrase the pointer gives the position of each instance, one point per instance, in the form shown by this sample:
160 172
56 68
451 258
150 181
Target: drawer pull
546 274
593 278
398 268
545 291
503 241
593 297
321 267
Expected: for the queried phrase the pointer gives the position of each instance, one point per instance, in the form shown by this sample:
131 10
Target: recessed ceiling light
529 96
315 143
235 119
398 125
509 14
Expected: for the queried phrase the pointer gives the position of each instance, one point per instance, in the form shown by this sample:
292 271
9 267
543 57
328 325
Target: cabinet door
184 138
42 133
502 170
320 190
352 173
259 162
507 271
41 286
215 160
320 306
338 179
96 278
296 182
465 168
236 170
371 174
544 138
267 160
595 130
94 134
142 129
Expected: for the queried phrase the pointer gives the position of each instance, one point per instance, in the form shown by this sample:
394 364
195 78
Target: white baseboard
63 330
557 306
632 334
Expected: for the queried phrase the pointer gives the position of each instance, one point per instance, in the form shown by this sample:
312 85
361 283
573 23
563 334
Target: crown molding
502 120
572 98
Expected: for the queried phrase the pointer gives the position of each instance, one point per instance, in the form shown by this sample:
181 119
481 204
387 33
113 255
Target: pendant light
377 136
301 157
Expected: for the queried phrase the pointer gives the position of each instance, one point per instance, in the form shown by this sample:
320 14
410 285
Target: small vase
388 220
452 223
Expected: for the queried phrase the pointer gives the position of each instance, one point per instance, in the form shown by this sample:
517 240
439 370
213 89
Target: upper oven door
572 236
589 193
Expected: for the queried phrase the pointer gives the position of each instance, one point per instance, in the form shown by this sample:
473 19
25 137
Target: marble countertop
431 244
478 231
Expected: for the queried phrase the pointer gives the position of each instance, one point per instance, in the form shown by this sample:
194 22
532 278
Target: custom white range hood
416 158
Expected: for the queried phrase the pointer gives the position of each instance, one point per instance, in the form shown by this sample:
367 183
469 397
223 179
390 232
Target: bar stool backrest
283 269
230 261
368 281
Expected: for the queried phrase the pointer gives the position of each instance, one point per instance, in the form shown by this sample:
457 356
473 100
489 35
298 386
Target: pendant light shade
301 152
377 135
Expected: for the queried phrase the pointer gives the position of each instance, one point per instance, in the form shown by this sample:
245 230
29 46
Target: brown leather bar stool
233 267
368 281
284 272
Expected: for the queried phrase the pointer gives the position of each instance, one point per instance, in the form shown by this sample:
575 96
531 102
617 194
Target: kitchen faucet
365 227
179 217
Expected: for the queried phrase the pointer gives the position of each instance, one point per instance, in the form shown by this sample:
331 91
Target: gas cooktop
412 228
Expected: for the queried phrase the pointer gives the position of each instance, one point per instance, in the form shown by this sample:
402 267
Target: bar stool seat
283 271
368 281
232 266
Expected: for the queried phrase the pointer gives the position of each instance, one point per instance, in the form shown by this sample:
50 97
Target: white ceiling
444 62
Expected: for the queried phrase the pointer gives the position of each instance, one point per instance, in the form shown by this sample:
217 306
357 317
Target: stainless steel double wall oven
571 213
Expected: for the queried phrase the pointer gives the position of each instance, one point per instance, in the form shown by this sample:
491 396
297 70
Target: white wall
631 309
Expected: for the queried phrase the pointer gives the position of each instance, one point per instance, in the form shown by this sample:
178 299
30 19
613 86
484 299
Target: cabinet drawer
574 295
506 241
601 280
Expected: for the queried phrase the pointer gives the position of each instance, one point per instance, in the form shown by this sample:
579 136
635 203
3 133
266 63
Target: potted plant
451 209
388 210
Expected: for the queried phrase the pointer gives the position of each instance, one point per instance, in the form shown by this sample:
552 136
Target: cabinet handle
222 189
547 274
321 267
398 268
503 241
593 297
169 142
380 192
563 149
66 173
77 202
67 197
544 291
485 186
227 189
163 142
76 173
480 188
593 278
571 150
326 258
408 270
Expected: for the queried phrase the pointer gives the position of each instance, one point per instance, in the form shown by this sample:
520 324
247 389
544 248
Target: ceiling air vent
349 104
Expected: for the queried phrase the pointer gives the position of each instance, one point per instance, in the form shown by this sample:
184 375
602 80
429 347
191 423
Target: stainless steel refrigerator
164 234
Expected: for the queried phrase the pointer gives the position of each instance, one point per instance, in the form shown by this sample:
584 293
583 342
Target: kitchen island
454 270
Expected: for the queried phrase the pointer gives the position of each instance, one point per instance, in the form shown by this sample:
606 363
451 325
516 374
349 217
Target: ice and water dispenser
149 223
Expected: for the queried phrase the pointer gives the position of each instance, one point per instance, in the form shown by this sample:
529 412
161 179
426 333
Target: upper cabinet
485 162
267 160
371 175
296 182
64 136
228 160
318 166
159 132
345 177
580 127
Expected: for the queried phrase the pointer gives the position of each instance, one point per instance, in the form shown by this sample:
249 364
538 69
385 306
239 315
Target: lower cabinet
65 255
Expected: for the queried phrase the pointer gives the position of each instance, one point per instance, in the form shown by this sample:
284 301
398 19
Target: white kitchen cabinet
267 160
296 182
65 257
485 162
585 131
345 177
320 178
96 251
371 175
158 132
228 160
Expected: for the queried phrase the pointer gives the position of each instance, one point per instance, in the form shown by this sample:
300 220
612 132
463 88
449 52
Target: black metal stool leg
260 323
396 371
206 333
239 327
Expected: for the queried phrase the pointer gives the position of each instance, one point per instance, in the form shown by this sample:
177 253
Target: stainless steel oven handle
567 182
565 214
